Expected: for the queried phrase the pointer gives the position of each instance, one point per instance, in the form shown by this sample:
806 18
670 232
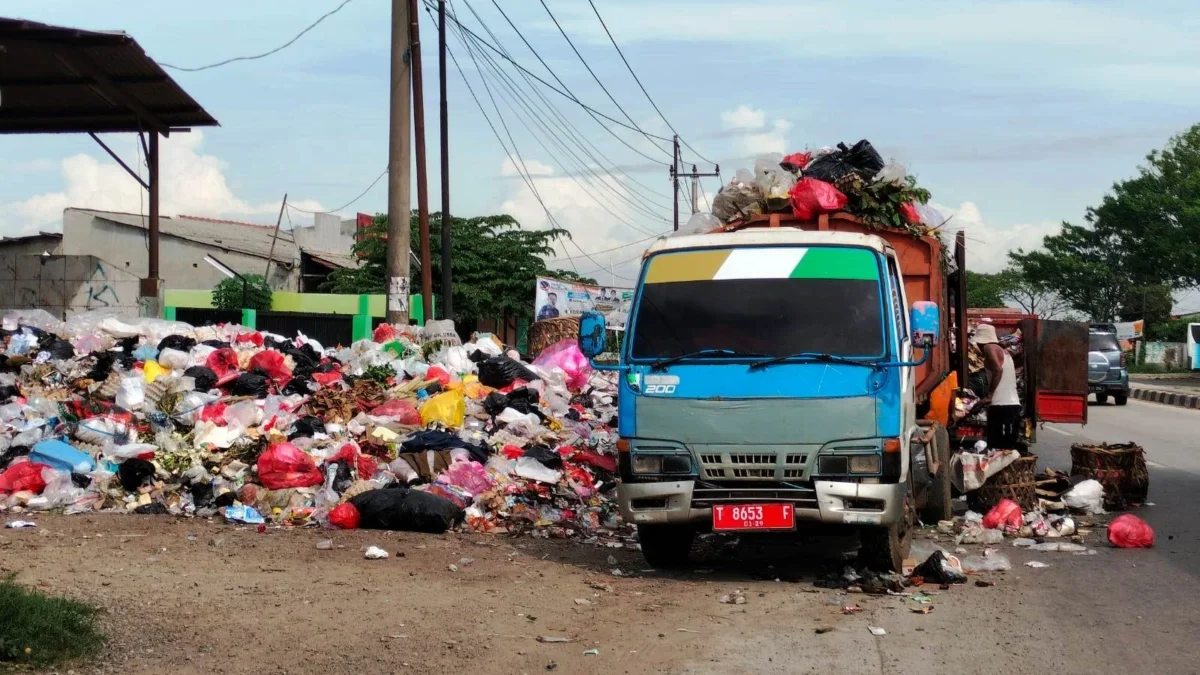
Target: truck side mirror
925 320
591 334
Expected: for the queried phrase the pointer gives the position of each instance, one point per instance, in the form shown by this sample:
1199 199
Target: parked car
1107 375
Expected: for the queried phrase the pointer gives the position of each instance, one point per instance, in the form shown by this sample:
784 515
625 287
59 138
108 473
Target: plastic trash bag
700 223
990 561
501 371
23 476
399 410
930 216
271 362
470 476
250 384
1129 531
151 371
773 181
532 469
893 173
62 457
174 359
133 473
1006 514
565 354
739 200
908 211
38 318
796 161
132 393
223 362
448 408
204 378
284 465
1086 497
811 197
441 331
407 510
345 516
861 159
940 568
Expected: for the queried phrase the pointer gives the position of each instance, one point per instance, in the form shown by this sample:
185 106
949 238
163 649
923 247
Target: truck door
1056 369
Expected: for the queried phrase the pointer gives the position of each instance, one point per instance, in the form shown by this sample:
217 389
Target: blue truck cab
767 382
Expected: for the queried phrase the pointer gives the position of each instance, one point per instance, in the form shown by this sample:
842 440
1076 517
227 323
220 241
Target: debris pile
410 430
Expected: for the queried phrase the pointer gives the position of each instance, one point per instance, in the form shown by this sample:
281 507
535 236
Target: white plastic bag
772 180
700 222
990 561
132 394
1087 497
893 172
442 331
530 468
174 359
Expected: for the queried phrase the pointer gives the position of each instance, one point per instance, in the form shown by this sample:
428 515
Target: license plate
733 517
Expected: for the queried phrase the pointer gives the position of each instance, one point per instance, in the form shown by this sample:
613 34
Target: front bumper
672 503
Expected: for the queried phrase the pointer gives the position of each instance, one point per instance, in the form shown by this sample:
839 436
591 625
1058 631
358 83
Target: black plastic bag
525 401
7 392
58 348
938 570
501 371
861 159
205 378
12 453
152 509
250 384
202 494
297 385
495 403
178 342
216 344
133 472
225 499
548 458
305 427
407 510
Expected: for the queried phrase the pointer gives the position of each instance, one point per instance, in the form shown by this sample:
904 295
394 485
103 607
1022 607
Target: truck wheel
885 548
666 546
937 504
1121 399
1102 399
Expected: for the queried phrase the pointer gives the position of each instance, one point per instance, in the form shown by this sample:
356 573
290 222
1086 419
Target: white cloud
988 244
775 140
508 167
744 117
192 183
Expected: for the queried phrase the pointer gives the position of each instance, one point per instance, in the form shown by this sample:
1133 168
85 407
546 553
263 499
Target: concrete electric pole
399 169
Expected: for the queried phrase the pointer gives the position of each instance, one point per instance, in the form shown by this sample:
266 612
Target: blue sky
1015 114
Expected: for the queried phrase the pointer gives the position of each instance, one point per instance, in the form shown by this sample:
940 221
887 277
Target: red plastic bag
909 211
512 452
285 466
1006 514
402 410
811 197
384 332
367 466
796 161
326 379
346 453
271 362
1129 531
344 516
255 339
213 412
438 373
23 476
223 362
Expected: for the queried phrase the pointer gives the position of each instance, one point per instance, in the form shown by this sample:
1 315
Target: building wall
65 285
1168 354
181 261
328 233
32 246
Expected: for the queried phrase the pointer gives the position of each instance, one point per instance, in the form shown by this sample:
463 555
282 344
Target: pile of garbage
410 430
854 179
968 409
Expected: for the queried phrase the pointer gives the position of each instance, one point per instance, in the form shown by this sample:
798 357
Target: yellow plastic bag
449 408
475 389
151 370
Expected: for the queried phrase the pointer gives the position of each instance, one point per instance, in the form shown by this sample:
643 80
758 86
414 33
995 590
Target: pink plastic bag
565 354
272 363
470 476
811 197
1129 531
1006 514
403 411
285 466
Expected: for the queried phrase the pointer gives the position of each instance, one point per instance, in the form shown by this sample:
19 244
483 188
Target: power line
617 248
281 47
514 92
360 196
593 73
640 85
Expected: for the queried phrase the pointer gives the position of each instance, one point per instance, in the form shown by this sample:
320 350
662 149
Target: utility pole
151 285
399 169
414 37
695 176
447 280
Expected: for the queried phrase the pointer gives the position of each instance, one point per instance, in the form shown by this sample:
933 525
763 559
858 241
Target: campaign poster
555 298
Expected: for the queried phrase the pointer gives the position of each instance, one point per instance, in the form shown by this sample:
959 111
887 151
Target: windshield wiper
812 356
663 363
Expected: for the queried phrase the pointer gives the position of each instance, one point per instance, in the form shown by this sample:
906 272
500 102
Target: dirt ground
192 596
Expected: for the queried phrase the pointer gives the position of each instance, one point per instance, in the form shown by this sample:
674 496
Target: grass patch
1155 369
42 630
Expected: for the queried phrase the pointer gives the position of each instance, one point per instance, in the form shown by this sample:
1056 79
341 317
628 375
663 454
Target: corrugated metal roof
60 79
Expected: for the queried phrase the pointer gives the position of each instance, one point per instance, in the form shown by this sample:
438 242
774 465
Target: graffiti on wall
99 292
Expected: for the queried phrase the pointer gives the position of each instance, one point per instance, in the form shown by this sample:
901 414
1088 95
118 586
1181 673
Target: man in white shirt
1004 404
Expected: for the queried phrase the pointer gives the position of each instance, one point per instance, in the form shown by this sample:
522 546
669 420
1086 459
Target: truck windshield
770 301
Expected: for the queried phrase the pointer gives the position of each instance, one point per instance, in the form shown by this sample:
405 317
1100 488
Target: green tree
495 264
573 277
229 293
1151 303
1084 266
986 290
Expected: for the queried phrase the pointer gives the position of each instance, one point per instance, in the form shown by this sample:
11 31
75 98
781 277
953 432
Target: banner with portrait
554 298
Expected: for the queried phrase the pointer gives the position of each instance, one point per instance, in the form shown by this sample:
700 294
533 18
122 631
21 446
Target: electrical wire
617 248
593 73
599 183
281 47
640 85
347 204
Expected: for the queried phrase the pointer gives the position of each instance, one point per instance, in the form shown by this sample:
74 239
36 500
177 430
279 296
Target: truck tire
1121 399
666 546
937 503
885 548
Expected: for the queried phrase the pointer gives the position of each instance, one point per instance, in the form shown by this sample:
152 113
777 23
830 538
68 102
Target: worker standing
1003 402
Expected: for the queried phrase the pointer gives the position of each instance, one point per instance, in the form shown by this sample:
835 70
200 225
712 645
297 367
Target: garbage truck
780 375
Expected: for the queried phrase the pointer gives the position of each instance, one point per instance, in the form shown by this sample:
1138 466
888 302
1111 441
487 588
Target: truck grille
752 466
802 494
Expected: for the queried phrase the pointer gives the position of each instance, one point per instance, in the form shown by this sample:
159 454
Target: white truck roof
768 236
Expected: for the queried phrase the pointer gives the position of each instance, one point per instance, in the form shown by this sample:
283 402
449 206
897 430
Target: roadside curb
1166 397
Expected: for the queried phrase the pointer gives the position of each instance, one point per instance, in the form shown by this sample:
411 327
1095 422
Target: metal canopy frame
56 79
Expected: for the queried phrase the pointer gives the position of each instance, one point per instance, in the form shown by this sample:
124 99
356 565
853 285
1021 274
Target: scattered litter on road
554 639
821 630
592 652
375 553
19 524
1036 564
734 598
876 630
325 545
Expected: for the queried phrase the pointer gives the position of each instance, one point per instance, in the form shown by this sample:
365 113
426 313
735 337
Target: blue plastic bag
62 457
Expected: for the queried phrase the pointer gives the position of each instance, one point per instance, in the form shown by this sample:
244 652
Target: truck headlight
864 463
647 463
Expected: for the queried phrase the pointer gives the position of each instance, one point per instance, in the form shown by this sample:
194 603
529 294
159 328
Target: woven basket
1120 468
547 332
1016 481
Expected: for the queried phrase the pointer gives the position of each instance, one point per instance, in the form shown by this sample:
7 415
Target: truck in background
778 373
